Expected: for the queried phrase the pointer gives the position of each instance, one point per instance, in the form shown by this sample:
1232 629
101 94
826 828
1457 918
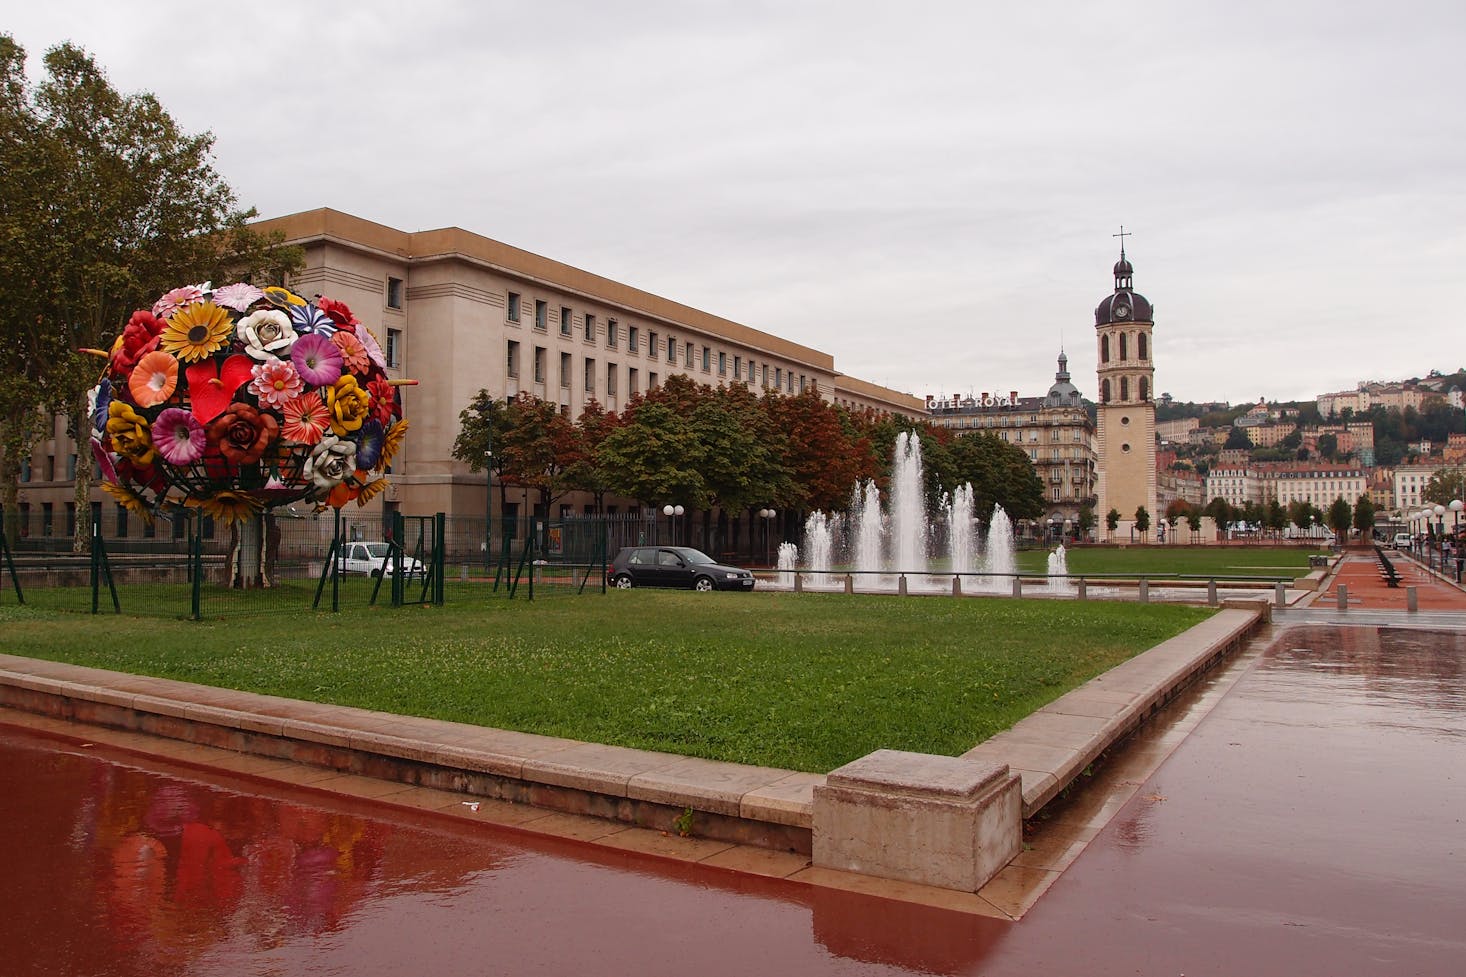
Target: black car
674 566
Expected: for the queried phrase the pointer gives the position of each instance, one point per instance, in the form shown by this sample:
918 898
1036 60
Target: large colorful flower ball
238 399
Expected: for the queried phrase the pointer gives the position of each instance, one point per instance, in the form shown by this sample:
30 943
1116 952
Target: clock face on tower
1122 310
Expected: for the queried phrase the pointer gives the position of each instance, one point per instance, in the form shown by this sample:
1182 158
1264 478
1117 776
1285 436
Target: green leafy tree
654 456
1193 520
1328 446
1340 517
1445 485
1000 474
1112 520
1221 512
1238 439
1364 516
1086 520
540 447
1276 518
108 203
1142 520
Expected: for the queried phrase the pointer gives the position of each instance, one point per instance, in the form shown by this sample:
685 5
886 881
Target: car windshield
696 557
376 550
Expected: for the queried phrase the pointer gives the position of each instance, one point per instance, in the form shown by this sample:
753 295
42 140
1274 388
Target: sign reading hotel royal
986 400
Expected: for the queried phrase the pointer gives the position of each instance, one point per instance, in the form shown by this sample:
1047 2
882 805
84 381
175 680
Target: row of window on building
773 377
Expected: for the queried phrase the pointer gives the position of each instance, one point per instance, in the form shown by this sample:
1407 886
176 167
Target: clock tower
1125 430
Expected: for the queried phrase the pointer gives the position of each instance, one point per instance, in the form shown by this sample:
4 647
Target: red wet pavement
1367 589
1310 822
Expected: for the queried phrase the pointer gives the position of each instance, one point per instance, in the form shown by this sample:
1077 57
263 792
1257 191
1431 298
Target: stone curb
748 805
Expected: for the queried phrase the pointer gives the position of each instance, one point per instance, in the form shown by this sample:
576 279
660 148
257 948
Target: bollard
1211 593
956 585
1144 591
1017 586
463 573
798 583
1083 590
849 583
901 585
1280 595
1343 597
1411 602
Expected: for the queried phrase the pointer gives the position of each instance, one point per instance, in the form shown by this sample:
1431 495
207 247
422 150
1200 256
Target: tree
1000 474
588 472
1193 520
539 447
1142 521
822 457
1112 520
1445 485
1238 439
1293 440
1364 516
1221 512
1340 516
1328 446
108 203
1276 517
1086 520
654 456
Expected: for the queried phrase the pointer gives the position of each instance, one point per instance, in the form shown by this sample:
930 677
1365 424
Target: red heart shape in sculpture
211 386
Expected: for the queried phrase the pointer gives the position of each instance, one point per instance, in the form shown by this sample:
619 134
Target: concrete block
935 820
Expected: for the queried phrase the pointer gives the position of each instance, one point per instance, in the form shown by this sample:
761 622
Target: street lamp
1050 537
766 515
671 512
1068 528
488 506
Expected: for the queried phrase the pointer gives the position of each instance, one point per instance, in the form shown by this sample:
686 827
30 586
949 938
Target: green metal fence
186 567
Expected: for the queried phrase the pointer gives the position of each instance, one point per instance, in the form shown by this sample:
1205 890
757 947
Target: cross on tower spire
1122 236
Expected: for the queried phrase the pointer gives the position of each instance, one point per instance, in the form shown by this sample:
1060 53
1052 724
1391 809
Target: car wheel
703 583
621 582
376 572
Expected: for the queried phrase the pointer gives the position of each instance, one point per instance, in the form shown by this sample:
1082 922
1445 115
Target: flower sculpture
239 399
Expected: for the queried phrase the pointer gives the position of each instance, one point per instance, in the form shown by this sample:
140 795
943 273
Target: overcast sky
926 191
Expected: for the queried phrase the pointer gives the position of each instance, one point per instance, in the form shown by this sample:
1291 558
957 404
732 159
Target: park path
1368 591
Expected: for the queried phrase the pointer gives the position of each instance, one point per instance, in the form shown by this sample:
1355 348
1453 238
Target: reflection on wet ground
1311 823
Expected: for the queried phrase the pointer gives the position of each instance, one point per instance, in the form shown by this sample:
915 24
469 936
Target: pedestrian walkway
1367 590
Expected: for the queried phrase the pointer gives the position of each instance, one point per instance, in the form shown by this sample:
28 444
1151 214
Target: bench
1387 571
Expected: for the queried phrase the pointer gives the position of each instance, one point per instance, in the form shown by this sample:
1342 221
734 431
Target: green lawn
1231 561
805 682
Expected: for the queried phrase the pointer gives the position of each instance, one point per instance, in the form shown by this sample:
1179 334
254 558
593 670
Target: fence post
440 524
196 566
1280 594
901 585
1412 602
1083 589
96 565
1017 585
849 583
1211 593
394 553
1343 597
1144 591
956 585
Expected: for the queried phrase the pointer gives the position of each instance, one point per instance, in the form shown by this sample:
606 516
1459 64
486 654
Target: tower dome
1063 393
1126 304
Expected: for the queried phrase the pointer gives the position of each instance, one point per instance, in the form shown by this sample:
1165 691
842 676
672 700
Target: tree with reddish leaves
588 473
538 447
823 458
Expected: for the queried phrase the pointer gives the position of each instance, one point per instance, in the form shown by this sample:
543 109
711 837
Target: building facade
1125 431
1054 430
461 312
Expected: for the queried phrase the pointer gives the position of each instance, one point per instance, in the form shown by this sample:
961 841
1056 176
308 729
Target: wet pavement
1303 816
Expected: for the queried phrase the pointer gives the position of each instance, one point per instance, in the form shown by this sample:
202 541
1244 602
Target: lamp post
488 505
767 516
672 512
1050 537
1455 508
1068 529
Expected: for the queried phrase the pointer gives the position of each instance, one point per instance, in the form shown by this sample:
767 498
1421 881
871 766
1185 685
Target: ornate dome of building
1063 393
1126 305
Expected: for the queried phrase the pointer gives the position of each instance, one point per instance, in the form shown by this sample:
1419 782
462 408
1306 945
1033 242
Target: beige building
1053 430
461 312
1125 432
1409 486
1285 482
1178 431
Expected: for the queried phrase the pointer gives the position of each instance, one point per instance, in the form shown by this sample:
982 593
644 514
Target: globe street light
671 512
488 507
767 515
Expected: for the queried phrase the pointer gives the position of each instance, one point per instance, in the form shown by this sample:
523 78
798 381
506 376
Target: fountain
820 533
879 544
1058 582
788 560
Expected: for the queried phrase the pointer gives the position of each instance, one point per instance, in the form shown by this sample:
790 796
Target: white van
1402 541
